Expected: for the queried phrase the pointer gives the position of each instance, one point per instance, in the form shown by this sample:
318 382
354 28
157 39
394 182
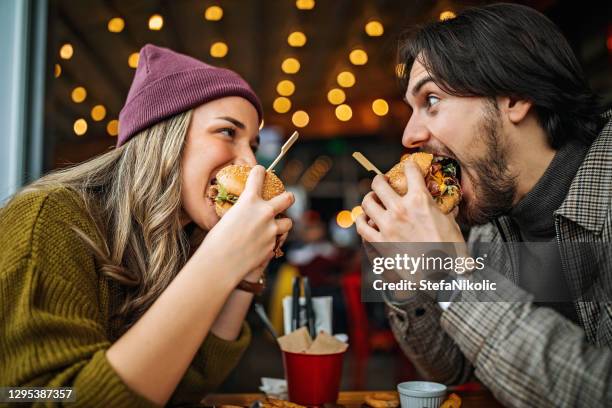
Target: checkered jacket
530 356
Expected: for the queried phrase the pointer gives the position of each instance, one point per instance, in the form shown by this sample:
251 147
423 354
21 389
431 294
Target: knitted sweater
55 307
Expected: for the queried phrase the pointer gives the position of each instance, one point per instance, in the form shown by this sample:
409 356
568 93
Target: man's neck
531 154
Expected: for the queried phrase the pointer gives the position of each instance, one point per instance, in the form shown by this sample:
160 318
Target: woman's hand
244 239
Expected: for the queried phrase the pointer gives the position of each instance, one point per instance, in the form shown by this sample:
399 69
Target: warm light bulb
300 118
358 57
66 51
57 70
336 96
112 128
285 88
213 13
305 4
296 39
80 127
79 94
344 219
344 112
98 113
380 107
290 66
133 60
219 49
374 28
346 79
116 25
156 22
281 104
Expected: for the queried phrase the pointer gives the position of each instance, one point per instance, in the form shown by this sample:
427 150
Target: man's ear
514 108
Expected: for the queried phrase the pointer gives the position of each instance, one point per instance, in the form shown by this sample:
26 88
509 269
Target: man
499 90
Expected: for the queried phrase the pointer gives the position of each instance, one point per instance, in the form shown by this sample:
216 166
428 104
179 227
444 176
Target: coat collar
590 193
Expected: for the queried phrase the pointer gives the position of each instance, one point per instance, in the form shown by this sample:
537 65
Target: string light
213 13
66 52
156 22
57 70
285 88
374 28
133 60
300 118
116 25
281 104
290 66
305 4
112 128
79 94
344 112
219 49
98 113
358 57
80 127
346 79
344 219
336 96
380 107
297 39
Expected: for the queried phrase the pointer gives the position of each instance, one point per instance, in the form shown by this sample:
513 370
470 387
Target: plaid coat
530 356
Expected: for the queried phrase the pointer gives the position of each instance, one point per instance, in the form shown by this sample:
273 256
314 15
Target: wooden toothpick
365 162
284 149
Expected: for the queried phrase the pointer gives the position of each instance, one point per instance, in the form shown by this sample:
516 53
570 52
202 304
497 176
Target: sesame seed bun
233 178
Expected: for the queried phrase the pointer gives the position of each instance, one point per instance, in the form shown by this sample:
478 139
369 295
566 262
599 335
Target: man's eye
432 100
228 132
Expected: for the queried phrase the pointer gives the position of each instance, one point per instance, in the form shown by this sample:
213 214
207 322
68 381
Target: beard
495 186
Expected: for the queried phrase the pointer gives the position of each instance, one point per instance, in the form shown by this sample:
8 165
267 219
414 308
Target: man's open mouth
445 176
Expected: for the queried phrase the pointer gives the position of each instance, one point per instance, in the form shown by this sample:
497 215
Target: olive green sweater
55 307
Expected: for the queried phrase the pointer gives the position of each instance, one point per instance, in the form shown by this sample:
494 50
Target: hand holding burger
413 202
230 182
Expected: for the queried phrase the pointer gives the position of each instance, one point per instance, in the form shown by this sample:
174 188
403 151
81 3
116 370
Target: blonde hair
133 194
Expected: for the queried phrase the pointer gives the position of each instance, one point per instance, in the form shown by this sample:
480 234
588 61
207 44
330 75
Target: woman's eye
432 100
228 132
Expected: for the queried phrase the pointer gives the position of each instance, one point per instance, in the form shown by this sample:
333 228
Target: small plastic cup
313 379
421 394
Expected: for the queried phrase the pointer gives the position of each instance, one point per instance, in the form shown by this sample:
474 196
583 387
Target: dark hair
508 50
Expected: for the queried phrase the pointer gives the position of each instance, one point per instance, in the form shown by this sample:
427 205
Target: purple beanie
167 83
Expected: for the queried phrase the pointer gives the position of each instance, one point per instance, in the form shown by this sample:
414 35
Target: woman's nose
246 157
415 134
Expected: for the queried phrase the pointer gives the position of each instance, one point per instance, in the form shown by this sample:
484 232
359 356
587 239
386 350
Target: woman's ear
514 108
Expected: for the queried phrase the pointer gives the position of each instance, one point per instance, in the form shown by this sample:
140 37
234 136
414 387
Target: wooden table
354 399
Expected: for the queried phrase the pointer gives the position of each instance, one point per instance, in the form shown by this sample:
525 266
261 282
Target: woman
100 288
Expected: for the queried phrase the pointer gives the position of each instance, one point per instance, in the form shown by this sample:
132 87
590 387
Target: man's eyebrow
419 85
236 122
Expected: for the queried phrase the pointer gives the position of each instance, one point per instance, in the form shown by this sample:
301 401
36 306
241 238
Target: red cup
313 379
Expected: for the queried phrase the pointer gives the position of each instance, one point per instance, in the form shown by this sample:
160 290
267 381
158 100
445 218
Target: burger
229 183
441 176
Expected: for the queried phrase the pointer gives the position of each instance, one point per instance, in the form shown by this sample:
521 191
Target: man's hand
411 218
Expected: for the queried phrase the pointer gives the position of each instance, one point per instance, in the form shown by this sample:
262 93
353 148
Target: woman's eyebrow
236 122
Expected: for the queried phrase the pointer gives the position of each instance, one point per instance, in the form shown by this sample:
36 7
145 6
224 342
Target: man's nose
415 134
